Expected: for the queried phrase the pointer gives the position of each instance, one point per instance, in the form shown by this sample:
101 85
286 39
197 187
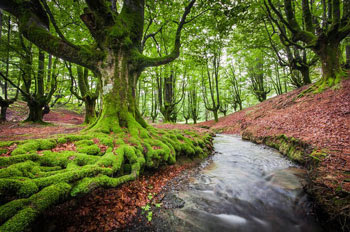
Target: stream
244 187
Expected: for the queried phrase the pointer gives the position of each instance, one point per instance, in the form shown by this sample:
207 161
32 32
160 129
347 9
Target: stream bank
312 129
244 187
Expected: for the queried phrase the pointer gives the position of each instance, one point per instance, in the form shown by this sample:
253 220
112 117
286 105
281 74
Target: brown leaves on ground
109 209
321 120
61 122
171 126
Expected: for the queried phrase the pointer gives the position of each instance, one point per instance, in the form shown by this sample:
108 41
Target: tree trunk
3 113
90 110
35 112
216 117
330 54
194 120
347 56
119 80
305 72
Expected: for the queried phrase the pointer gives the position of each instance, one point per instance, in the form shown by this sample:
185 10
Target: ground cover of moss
37 175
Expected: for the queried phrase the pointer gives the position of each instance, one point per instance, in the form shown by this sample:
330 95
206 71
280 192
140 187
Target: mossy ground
38 173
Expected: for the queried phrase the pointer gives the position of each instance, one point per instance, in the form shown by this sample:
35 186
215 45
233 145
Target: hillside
312 129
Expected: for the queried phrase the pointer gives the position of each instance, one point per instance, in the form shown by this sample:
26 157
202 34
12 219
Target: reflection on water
247 187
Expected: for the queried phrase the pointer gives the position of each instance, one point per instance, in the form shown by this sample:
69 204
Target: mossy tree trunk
117 59
90 110
119 93
330 56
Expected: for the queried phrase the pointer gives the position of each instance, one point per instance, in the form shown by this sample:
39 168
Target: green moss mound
36 176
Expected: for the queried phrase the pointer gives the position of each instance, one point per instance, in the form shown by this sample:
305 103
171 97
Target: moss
36 204
10 209
26 169
6 143
318 155
73 138
34 145
5 161
40 177
30 146
84 142
89 149
62 140
20 221
46 144
107 141
13 187
3 151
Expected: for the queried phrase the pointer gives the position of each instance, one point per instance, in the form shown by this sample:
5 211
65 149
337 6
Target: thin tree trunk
347 56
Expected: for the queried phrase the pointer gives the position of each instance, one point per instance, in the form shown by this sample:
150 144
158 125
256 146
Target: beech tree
5 101
116 55
323 31
87 94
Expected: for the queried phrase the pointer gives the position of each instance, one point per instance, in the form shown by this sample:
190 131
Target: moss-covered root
19 214
37 175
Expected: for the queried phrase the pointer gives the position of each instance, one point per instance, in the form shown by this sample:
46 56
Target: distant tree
256 75
212 84
5 101
324 30
88 93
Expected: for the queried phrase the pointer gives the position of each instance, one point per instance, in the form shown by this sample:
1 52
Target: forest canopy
73 52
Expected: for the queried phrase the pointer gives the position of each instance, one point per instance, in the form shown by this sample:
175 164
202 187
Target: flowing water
246 187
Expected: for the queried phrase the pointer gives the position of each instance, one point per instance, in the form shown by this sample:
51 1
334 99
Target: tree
116 55
296 58
5 101
213 83
87 95
154 102
256 74
324 30
167 96
235 87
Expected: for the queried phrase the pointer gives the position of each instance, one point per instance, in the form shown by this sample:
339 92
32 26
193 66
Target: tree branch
16 86
149 62
33 23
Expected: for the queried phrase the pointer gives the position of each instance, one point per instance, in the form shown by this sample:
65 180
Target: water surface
246 187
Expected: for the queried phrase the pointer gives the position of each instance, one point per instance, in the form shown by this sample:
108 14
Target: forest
101 99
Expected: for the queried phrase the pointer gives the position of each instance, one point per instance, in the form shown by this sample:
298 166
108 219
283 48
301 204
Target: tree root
41 173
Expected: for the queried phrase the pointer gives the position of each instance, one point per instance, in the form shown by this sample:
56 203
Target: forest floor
321 121
101 209
60 121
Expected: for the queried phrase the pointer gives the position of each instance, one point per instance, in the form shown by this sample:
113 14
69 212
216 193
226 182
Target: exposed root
38 174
